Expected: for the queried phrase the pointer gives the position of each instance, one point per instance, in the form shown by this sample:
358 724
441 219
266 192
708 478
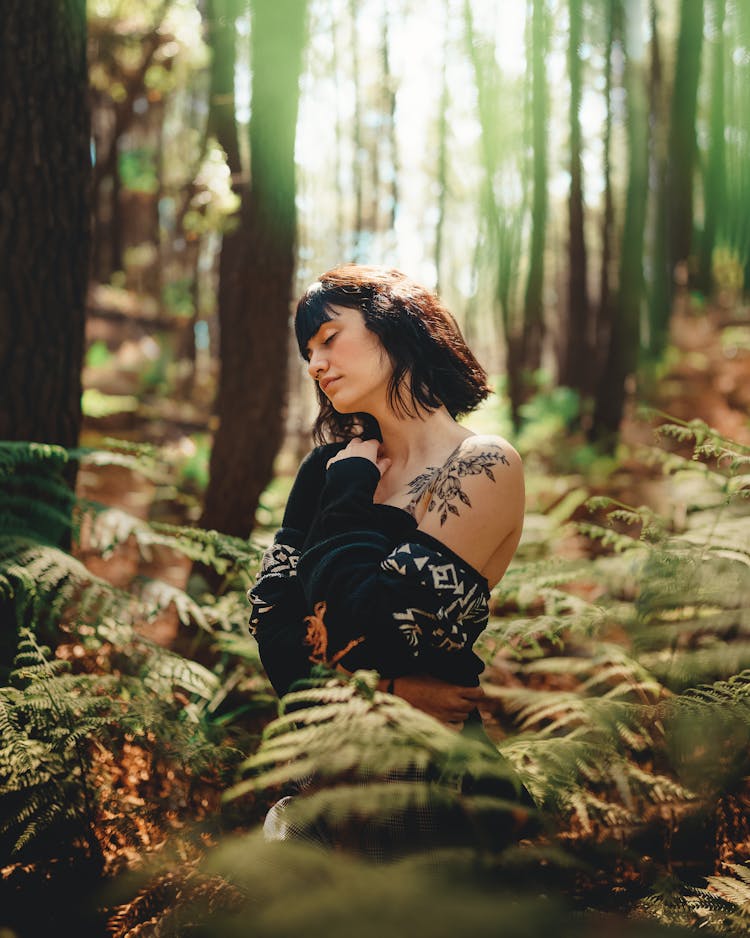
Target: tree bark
575 362
44 218
257 278
356 121
625 338
221 21
660 286
442 156
533 315
603 326
714 188
682 140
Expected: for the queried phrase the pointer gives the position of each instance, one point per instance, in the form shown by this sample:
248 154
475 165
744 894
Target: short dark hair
418 333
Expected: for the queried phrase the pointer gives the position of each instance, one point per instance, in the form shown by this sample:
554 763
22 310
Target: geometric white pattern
446 606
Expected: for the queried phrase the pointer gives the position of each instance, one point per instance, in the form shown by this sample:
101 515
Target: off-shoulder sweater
363 577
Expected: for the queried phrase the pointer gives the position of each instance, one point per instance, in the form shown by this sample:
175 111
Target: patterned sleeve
278 606
277 611
417 607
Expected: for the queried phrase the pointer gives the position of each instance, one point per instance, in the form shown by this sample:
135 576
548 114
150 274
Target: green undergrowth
618 686
88 696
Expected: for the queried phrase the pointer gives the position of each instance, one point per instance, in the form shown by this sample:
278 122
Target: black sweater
404 601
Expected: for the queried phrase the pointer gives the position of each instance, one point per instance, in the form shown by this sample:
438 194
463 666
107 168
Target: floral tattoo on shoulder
443 483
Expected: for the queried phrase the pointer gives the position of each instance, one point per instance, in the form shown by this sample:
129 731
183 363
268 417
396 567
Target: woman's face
350 363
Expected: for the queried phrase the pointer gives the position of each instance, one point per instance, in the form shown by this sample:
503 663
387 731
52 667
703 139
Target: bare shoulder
487 470
480 452
477 500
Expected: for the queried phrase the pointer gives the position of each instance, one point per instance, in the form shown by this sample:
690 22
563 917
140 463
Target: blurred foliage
97 354
138 170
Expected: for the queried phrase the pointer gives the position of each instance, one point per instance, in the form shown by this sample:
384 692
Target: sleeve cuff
353 473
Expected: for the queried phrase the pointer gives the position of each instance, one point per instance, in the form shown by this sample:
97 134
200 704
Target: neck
418 440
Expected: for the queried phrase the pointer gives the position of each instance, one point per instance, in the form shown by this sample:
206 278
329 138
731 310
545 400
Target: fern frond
17 456
110 527
344 732
682 668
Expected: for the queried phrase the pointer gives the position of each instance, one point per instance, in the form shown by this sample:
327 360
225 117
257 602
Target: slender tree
734 225
442 151
714 187
44 228
113 118
389 108
503 209
221 25
357 144
682 139
533 314
605 311
660 279
257 280
575 363
624 342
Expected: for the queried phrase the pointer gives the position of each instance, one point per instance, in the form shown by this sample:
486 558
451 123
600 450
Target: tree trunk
714 188
682 141
533 316
605 312
625 338
505 224
44 220
257 278
357 169
442 156
660 285
221 20
575 365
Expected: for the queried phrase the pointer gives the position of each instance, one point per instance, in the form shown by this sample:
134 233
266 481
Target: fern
369 758
41 758
53 722
708 733
722 906
109 528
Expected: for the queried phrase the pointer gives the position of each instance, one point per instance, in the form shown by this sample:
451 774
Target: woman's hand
449 703
366 449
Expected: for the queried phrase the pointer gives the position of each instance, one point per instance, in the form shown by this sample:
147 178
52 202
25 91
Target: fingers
367 449
474 694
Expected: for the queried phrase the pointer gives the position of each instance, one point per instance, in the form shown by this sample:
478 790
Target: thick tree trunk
575 364
682 140
45 166
257 278
625 338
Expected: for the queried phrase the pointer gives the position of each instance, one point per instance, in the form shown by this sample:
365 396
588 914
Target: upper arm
477 501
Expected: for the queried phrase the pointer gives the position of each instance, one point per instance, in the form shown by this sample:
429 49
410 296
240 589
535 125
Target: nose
317 363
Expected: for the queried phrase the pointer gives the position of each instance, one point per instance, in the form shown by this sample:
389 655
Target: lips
326 382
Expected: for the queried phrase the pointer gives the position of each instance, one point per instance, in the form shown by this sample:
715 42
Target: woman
394 534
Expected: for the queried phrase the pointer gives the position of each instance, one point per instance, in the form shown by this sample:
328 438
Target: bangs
312 312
